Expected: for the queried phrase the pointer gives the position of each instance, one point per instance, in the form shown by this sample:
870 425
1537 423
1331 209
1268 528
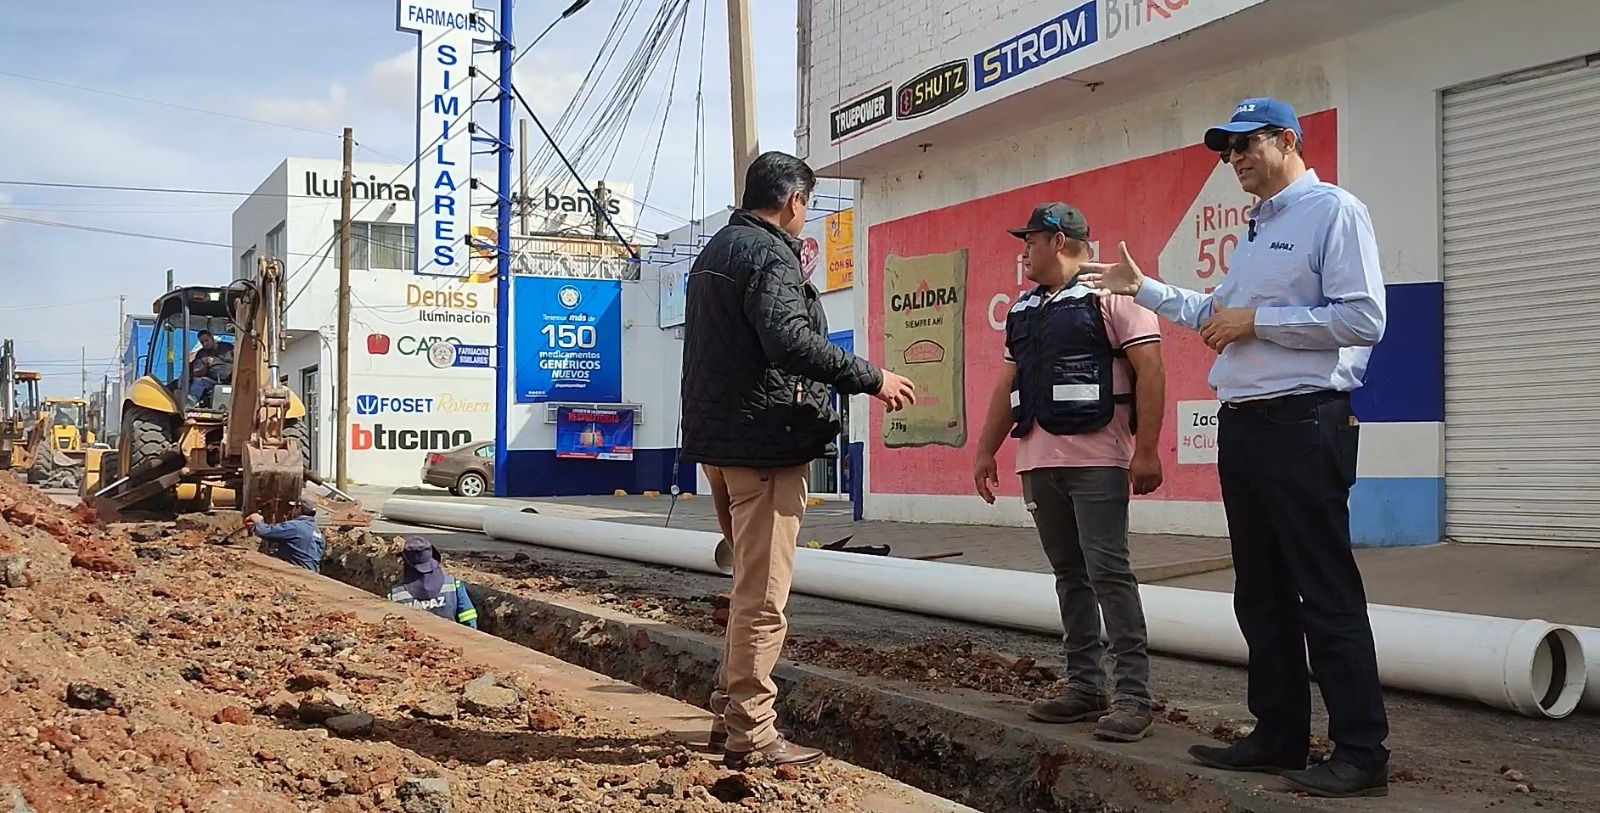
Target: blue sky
319 66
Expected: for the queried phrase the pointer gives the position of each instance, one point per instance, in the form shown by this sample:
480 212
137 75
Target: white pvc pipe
673 547
1531 667
1590 637
463 515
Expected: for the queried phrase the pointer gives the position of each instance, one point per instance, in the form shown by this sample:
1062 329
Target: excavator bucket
273 480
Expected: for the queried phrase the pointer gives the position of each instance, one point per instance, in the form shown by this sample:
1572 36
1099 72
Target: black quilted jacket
757 362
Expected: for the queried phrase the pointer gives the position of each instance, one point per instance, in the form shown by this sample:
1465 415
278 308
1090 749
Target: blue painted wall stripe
1405 376
1396 511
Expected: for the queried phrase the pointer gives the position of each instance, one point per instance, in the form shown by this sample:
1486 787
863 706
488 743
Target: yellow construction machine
210 425
19 410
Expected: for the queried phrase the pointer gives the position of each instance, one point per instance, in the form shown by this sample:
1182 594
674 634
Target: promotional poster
594 434
1181 213
568 339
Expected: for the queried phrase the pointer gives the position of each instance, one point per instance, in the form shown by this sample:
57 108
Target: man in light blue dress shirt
1293 325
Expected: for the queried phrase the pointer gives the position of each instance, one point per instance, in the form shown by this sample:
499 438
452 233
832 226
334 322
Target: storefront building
407 399
827 256
1464 126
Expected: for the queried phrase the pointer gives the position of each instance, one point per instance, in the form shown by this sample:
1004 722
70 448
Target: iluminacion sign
446 30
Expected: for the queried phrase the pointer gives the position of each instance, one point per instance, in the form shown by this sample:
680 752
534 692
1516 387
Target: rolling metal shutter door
1521 257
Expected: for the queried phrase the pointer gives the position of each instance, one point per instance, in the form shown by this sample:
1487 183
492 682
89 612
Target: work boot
1249 756
717 741
1076 706
1337 779
1129 721
780 752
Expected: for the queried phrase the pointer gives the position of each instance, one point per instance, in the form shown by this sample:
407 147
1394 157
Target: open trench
948 743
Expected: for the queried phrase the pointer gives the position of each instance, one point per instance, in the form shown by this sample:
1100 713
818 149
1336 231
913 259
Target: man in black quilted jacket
757 367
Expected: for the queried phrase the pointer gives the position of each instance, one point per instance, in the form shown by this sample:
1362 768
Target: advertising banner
1181 213
924 301
673 288
839 249
594 434
812 262
567 335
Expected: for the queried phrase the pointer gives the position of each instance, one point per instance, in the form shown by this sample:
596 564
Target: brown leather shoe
780 752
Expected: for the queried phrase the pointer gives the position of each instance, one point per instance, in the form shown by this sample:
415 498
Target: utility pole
171 286
83 369
524 205
342 397
742 83
122 335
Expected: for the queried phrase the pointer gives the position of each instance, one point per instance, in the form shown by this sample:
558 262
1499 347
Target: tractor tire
298 430
149 435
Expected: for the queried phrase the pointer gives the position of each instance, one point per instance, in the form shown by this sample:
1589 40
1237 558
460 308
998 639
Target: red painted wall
1176 210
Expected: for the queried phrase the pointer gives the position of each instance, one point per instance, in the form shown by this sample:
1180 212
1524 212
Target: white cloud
327 112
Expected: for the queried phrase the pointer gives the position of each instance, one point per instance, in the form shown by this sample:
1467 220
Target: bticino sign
446 31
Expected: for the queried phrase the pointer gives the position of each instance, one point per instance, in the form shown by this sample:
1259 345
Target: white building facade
828 262
1465 126
403 404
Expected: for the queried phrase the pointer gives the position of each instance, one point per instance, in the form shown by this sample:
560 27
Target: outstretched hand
1122 277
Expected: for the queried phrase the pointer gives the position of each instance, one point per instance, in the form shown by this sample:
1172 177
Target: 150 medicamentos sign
446 31
567 339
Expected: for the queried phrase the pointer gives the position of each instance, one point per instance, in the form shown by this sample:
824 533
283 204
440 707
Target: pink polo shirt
1127 324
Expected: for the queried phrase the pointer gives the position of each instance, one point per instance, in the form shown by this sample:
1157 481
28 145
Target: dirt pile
147 669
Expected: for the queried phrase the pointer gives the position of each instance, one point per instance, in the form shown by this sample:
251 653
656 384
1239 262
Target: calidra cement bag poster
924 300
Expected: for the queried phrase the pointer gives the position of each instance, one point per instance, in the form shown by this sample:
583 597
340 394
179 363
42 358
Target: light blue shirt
1312 274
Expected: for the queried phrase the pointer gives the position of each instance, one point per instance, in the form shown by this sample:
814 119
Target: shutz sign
933 89
862 114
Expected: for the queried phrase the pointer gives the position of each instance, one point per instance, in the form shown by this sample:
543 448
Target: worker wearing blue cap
1293 324
296 540
428 587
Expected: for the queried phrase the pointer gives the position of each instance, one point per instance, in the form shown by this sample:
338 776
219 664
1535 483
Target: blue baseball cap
1251 115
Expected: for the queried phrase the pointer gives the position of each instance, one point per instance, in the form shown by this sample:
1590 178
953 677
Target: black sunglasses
1242 141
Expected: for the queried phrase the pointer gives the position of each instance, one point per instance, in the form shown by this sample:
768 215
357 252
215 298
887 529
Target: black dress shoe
1247 755
1337 779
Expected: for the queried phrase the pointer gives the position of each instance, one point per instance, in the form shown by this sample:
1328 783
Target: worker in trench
427 586
297 540
757 368
1082 389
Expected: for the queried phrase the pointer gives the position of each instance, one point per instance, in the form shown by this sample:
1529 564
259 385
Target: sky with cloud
114 99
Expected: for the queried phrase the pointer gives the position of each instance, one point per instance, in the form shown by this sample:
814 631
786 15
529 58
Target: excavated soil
146 670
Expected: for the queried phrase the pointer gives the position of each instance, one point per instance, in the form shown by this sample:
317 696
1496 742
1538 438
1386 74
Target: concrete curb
972 748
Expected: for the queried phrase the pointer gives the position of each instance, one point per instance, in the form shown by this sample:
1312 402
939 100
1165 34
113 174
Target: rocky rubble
151 671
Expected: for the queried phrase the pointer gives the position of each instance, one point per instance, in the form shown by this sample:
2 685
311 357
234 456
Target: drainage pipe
436 513
1590 636
1532 667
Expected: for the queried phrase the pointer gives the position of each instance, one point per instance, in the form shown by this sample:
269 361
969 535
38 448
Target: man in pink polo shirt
1083 389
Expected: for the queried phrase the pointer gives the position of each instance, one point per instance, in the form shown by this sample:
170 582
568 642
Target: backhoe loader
210 422
19 410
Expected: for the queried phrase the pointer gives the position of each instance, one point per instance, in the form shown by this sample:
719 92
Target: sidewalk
1555 584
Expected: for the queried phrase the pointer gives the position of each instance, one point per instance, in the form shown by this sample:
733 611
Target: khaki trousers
760 512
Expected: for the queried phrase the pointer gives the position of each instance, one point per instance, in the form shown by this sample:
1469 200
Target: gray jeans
1082 517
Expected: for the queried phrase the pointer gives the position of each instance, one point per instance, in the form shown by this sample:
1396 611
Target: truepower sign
446 30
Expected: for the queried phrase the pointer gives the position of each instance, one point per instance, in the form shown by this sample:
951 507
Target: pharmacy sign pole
446 31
